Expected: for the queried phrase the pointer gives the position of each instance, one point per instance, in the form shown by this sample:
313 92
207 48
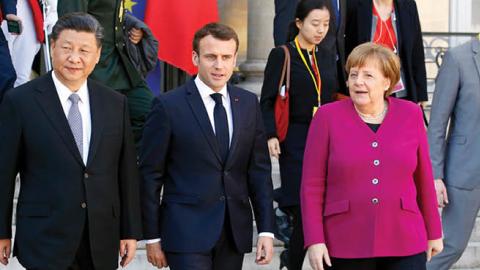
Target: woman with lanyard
393 24
312 83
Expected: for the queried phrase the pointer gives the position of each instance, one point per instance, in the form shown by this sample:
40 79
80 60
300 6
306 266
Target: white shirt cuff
267 234
152 241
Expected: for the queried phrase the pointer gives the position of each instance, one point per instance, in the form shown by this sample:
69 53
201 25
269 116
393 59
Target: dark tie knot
74 98
217 97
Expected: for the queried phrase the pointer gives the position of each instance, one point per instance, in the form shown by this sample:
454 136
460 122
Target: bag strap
285 71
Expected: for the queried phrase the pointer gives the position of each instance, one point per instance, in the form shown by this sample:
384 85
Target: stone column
460 20
260 42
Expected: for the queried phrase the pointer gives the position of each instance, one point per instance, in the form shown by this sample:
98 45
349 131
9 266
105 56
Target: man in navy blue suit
204 143
7 72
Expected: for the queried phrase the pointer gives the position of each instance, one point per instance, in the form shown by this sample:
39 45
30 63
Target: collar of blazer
196 104
48 100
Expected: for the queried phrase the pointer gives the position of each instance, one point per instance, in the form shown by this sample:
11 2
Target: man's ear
99 51
195 59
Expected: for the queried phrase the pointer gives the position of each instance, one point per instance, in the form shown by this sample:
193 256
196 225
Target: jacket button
226 173
376 162
83 205
374 144
85 175
374 181
375 201
222 198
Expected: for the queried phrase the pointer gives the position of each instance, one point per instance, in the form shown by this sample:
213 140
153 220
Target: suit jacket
456 99
335 42
58 193
179 153
114 67
409 40
368 194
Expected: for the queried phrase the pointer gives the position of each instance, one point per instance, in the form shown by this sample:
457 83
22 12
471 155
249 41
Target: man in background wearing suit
456 156
204 143
69 137
8 8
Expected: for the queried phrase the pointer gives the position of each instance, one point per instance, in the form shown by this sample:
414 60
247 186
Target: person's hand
128 247
423 104
13 17
135 35
434 247
274 147
5 249
264 250
156 256
442 196
317 254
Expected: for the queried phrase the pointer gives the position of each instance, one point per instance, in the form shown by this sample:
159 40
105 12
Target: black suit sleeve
153 152
419 72
10 145
131 227
259 178
273 72
8 6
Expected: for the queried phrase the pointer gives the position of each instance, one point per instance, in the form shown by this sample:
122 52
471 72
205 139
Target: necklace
375 118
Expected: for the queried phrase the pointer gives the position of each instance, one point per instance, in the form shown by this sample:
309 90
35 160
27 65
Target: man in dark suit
7 71
204 143
70 139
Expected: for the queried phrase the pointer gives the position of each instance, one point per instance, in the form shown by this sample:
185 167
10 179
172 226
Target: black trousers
414 262
296 251
224 255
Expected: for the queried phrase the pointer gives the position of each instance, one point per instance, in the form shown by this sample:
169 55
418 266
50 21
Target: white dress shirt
83 106
205 92
209 103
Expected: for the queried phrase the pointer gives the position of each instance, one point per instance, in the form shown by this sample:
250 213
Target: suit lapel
235 105
97 120
198 108
48 100
476 55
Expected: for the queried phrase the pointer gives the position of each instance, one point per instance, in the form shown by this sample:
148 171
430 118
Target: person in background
394 24
8 11
454 146
313 83
25 46
367 196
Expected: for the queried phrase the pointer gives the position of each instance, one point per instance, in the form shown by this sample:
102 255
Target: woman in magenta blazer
367 195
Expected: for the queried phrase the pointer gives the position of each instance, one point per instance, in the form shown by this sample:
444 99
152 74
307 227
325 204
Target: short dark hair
218 31
80 22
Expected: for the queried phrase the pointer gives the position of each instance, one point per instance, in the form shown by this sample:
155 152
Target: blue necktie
75 121
221 125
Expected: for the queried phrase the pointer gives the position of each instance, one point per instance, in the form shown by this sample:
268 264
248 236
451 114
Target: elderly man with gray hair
70 140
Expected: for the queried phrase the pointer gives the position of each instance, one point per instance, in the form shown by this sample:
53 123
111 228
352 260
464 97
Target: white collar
205 91
64 92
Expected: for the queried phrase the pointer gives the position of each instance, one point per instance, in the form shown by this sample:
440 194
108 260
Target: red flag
174 24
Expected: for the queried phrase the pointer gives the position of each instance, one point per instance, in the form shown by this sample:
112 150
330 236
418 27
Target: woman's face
367 84
315 26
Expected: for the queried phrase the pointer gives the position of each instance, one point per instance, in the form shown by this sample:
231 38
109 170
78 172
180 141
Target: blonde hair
387 61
